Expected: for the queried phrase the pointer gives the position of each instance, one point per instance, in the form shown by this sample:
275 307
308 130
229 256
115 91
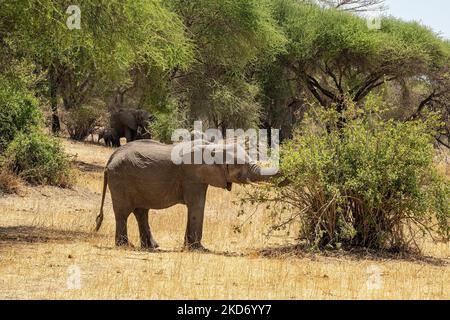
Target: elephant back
139 155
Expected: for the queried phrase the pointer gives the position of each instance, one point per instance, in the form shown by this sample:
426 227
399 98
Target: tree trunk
53 85
340 108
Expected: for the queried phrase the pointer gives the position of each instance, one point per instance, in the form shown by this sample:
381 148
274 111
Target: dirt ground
49 251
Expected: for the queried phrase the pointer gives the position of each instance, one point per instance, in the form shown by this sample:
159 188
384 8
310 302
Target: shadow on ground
30 234
88 167
297 252
136 249
358 254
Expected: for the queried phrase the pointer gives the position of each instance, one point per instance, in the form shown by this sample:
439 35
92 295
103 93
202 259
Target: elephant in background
130 123
143 133
110 136
142 176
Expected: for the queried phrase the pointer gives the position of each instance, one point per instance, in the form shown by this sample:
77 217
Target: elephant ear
211 174
142 117
129 119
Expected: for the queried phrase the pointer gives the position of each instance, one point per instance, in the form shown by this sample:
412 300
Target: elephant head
142 118
129 122
143 133
220 165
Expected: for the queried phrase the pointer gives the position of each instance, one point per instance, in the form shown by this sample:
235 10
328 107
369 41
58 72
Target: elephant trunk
256 175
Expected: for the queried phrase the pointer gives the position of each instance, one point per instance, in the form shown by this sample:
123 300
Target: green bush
38 159
82 121
18 112
166 122
371 184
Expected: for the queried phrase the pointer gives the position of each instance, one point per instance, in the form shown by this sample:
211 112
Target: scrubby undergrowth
24 148
9 182
38 159
372 183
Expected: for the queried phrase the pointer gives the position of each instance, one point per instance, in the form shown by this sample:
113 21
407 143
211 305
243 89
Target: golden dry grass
46 231
9 182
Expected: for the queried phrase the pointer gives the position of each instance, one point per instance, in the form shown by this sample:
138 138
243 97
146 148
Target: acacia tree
334 57
355 5
430 93
231 38
114 37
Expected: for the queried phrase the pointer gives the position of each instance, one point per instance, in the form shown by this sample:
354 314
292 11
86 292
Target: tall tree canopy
231 63
114 37
334 56
230 37
355 5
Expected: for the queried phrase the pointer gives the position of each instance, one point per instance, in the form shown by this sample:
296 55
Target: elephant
142 175
128 123
110 136
143 133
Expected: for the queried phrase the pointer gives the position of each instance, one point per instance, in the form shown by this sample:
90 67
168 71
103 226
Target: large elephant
142 175
128 123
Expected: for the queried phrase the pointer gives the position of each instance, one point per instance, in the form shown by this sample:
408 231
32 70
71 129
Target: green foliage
82 121
416 42
18 111
232 38
319 36
332 54
113 35
231 33
371 184
38 159
355 179
24 148
166 122
235 105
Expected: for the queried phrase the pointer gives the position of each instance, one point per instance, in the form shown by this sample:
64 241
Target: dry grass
9 182
45 232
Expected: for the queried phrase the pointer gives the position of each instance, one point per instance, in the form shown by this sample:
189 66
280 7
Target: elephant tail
99 219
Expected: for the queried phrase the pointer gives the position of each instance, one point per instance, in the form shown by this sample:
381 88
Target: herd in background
131 124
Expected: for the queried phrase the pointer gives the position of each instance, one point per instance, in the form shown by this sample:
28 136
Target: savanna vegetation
363 113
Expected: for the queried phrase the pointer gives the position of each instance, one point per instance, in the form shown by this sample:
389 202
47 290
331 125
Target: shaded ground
30 234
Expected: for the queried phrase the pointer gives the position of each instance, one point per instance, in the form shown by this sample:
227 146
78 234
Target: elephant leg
121 215
115 142
129 135
195 196
134 135
147 240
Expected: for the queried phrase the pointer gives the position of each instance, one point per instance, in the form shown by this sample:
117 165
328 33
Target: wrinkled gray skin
110 137
142 176
130 123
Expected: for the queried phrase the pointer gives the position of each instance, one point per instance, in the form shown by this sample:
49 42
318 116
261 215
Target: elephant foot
124 244
150 245
195 247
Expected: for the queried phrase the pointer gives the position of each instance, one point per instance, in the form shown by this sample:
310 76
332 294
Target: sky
433 13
